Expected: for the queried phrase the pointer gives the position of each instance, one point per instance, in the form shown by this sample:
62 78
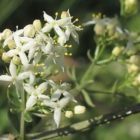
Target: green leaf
27 117
87 98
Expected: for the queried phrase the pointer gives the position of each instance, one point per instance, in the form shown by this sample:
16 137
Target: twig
86 125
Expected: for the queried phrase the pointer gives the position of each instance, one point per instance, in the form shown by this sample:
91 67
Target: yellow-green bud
16 60
37 25
64 14
136 81
79 109
117 50
69 114
29 30
6 58
6 33
99 28
135 59
130 7
11 44
110 29
132 68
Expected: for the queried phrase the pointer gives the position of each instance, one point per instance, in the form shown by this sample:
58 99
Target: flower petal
64 101
48 48
5 78
57 116
28 46
47 17
31 53
56 95
12 69
64 21
47 28
59 31
31 102
23 58
17 40
49 103
23 75
75 36
28 88
12 52
41 88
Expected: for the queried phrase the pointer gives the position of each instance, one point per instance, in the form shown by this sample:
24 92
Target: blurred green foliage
22 12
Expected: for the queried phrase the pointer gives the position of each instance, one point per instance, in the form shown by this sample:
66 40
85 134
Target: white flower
14 77
58 101
21 49
56 57
56 25
34 93
70 29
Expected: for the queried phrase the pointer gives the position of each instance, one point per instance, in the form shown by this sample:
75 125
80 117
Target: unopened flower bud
136 81
11 44
16 60
130 7
135 59
132 68
64 14
68 114
99 28
117 50
37 25
29 30
6 58
111 27
79 109
6 33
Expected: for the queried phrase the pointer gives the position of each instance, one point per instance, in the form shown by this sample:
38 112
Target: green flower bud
6 33
135 59
29 30
79 109
136 81
37 25
129 7
117 50
132 68
11 44
6 58
68 114
99 28
65 14
16 60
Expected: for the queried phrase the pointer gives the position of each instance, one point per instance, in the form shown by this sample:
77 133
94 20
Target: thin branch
86 125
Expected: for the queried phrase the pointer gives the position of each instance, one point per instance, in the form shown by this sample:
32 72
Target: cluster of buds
106 26
78 109
33 53
133 68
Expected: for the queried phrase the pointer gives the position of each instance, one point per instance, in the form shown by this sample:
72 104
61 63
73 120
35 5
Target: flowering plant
36 53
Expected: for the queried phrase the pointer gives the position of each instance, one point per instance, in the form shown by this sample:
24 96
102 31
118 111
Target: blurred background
22 12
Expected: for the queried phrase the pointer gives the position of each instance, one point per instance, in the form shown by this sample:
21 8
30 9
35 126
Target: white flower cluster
33 53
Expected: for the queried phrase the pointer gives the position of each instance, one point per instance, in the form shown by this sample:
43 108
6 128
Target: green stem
19 88
87 73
